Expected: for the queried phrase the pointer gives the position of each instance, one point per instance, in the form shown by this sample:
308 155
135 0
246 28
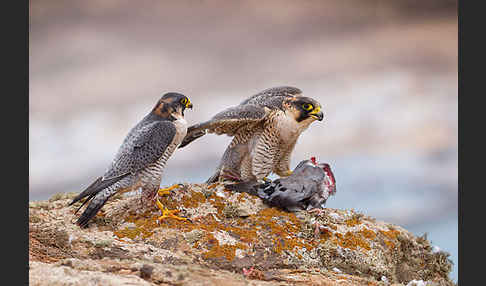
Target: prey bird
141 158
265 128
308 188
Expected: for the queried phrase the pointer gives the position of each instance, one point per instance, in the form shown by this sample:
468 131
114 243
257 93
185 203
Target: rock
232 239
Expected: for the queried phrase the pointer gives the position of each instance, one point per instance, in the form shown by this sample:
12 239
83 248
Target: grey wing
273 97
144 146
228 122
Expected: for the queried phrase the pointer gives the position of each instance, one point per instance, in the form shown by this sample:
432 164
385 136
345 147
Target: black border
15 144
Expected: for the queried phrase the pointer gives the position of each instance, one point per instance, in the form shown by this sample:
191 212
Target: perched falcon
309 187
141 158
265 129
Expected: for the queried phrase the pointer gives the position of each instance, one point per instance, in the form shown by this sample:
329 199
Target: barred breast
152 175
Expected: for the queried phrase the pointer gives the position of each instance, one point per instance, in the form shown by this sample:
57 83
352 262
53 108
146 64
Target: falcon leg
166 191
230 177
166 213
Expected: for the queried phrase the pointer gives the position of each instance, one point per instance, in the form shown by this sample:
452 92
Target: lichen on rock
227 233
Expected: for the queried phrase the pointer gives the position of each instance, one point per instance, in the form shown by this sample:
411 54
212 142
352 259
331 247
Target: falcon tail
96 187
95 201
92 209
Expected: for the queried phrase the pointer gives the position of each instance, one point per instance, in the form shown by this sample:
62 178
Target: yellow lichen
217 250
352 221
144 225
389 244
193 200
351 240
392 233
369 234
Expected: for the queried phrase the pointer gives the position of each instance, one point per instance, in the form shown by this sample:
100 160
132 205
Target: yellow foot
166 213
166 191
288 173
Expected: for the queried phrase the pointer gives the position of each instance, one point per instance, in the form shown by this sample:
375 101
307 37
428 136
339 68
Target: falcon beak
317 113
189 104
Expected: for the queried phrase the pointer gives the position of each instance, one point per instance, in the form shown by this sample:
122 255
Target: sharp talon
166 191
166 213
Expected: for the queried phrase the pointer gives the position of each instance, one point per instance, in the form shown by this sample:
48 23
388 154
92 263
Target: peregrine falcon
308 188
265 129
141 158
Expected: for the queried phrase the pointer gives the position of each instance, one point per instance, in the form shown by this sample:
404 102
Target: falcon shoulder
144 146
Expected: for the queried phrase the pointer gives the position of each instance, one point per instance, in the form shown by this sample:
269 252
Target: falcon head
172 105
305 109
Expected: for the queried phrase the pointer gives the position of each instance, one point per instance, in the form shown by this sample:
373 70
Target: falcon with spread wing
265 129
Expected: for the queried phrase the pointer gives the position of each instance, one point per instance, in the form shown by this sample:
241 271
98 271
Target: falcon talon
166 191
166 213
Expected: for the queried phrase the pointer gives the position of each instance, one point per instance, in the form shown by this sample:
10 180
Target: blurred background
384 71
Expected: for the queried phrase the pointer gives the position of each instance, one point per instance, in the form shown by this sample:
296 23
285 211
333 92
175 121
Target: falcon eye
307 106
184 101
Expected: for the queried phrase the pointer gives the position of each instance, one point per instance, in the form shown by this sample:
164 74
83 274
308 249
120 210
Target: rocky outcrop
231 239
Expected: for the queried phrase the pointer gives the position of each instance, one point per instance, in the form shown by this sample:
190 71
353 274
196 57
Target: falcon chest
288 128
155 170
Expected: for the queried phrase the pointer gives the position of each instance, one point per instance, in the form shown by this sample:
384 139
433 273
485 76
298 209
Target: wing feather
250 111
144 145
228 122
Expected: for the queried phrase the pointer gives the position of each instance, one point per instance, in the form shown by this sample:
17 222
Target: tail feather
98 185
95 197
92 209
85 201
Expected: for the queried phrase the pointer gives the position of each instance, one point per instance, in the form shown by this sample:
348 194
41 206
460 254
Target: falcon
265 129
141 158
308 188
